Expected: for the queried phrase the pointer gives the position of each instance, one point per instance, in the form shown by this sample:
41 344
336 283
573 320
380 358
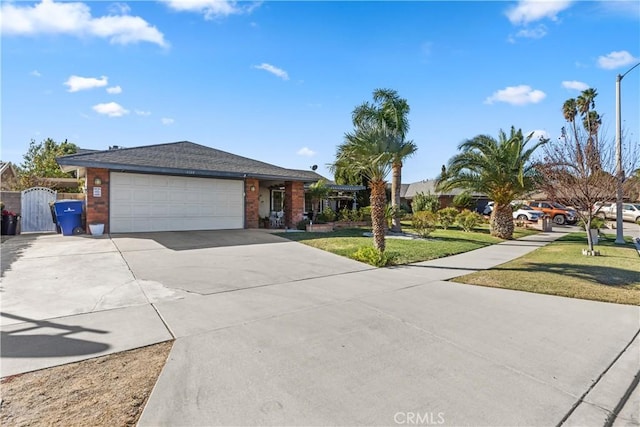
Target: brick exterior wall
12 201
293 203
251 203
97 208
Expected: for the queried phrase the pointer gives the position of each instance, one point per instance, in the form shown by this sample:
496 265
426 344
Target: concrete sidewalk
379 347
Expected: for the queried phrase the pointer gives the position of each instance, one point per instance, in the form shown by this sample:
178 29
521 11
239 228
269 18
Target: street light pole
619 170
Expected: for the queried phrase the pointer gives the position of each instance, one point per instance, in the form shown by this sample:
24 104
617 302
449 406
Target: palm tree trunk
378 201
396 180
501 222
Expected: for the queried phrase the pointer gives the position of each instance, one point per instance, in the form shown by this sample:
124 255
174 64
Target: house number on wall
97 191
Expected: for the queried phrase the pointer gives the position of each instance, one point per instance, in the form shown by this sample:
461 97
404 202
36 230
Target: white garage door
141 202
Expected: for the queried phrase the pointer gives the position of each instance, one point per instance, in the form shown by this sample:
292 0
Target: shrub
364 213
463 201
425 202
327 215
345 214
447 217
468 220
596 223
389 213
371 256
302 224
424 222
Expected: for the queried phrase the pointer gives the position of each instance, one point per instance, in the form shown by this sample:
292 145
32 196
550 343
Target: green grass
560 269
441 243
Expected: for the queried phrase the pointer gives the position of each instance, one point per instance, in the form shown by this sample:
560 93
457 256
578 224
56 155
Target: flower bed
320 228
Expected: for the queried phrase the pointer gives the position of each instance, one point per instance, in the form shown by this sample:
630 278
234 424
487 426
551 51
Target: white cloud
119 8
35 73
167 121
527 11
111 109
49 17
616 59
306 151
114 90
574 84
77 83
517 95
273 70
533 33
143 113
211 8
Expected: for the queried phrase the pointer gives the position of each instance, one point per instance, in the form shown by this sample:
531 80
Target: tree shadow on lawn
345 232
601 275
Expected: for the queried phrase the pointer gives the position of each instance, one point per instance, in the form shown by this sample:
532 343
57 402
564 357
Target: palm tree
501 169
570 112
586 100
390 111
318 191
365 152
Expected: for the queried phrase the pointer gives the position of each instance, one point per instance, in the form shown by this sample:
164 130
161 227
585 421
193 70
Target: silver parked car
630 212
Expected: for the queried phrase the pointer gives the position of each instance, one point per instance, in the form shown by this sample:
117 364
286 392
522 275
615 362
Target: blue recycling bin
68 215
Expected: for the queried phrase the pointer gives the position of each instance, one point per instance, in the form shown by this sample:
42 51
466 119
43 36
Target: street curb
602 404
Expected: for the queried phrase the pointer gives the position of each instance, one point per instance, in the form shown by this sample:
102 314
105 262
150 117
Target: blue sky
277 80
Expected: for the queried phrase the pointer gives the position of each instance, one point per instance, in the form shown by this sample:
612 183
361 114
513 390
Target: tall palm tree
591 121
501 169
390 111
586 100
365 152
570 112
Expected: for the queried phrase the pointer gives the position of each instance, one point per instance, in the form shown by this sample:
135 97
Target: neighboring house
8 176
185 186
408 192
340 197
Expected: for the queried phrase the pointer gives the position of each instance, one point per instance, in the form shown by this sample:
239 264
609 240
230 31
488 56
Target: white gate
36 211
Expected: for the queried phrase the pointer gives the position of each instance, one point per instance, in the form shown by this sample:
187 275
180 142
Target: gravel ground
106 391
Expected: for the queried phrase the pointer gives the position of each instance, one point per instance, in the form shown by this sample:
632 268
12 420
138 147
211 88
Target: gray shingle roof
184 158
429 186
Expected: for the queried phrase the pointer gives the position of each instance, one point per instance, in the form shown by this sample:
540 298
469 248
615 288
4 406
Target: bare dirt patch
106 391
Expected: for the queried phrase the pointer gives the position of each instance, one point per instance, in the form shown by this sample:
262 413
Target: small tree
40 162
579 168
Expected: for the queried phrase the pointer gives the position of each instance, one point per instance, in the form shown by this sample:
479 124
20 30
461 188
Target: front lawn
560 269
441 243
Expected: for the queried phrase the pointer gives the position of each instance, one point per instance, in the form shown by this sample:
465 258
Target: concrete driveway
272 332
49 276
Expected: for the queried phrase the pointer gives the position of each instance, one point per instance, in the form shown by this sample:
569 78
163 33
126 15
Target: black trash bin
69 216
9 224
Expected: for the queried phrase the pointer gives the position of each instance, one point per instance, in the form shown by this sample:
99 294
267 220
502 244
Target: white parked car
522 213
527 213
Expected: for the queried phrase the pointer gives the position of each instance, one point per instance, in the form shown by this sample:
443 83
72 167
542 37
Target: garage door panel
169 203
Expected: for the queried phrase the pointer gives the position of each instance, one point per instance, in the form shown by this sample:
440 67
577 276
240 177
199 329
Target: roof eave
69 164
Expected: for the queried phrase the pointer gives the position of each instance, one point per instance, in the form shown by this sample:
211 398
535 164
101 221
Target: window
277 200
